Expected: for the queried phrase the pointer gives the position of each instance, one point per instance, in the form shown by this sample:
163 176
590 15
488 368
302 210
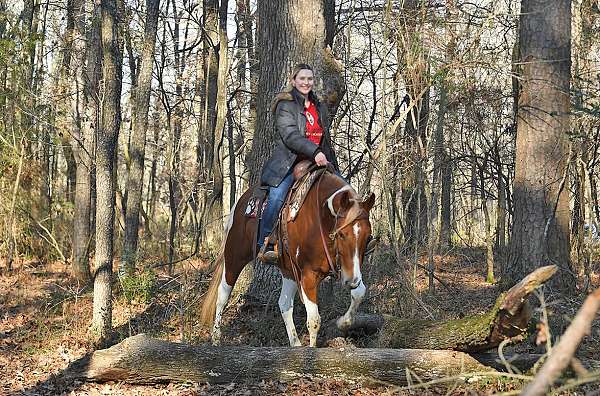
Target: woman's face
303 81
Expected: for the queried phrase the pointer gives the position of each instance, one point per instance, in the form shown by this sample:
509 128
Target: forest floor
44 319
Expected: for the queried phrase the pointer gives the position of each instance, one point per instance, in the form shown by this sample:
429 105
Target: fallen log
141 359
507 319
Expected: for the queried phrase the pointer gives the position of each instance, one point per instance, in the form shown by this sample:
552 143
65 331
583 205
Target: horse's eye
342 237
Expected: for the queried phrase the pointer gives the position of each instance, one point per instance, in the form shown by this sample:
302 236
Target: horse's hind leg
222 297
310 283
233 266
286 306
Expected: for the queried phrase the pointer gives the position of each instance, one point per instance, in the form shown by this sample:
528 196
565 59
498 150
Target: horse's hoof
343 323
216 339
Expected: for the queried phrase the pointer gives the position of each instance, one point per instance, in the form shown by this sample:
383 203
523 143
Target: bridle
334 265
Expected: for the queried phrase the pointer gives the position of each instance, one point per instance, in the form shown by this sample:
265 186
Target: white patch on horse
222 297
330 199
286 306
297 253
313 319
357 296
356 258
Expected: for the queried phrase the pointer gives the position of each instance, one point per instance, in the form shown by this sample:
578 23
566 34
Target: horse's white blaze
313 319
286 306
330 199
356 259
297 253
222 297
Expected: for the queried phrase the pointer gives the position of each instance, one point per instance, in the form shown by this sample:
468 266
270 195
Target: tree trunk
330 25
489 242
540 232
501 209
438 159
446 204
82 232
216 97
105 176
152 190
489 233
175 130
141 359
579 216
214 22
11 233
414 66
441 160
137 148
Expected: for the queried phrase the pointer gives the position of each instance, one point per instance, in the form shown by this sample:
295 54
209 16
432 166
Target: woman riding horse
332 210
302 122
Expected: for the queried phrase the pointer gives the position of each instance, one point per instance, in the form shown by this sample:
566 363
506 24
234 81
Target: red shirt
314 131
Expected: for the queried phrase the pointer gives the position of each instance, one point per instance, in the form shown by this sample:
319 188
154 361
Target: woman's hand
320 159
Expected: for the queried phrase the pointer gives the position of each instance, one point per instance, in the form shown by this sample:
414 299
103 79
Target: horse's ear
345 199
369 201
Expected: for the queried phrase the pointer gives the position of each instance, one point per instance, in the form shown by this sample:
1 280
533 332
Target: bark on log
508 318
141 359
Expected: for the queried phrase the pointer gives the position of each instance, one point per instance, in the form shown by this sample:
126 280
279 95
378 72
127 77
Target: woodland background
128 129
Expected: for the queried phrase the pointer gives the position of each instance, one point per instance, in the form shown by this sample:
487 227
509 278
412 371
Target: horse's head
351 234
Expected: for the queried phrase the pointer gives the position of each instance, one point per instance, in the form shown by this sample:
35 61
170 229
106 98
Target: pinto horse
330 229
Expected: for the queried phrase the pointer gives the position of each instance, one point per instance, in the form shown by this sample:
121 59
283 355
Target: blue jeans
275 201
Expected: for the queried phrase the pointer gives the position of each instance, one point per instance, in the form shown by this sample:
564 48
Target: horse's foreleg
222 297
286 306
313 319
357 296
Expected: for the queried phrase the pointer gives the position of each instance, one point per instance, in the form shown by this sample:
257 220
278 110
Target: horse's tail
207 314
209 306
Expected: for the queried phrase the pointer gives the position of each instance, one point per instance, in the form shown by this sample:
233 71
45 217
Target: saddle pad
252 207
299 191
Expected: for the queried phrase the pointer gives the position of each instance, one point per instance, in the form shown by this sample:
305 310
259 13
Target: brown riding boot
268 253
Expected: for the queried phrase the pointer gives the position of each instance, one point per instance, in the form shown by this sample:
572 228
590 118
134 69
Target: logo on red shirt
314 131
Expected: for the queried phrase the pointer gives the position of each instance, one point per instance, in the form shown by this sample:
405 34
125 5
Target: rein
332 265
